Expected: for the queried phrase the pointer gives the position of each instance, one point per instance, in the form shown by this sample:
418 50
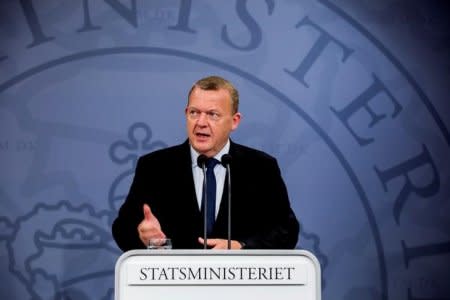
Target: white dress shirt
219 171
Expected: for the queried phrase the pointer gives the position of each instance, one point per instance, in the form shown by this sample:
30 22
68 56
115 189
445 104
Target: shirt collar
218 156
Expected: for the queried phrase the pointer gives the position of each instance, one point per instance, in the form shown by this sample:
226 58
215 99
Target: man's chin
201 147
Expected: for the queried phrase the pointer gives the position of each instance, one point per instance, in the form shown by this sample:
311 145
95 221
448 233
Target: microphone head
226 159
201 160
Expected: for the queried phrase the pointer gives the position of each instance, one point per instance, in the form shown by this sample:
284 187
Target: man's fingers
220 243
209 242
147 212
146 236
147 232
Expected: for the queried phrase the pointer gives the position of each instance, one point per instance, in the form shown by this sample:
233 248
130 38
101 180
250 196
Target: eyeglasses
194 114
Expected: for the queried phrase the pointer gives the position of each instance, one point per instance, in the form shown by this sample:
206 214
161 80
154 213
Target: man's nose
202 119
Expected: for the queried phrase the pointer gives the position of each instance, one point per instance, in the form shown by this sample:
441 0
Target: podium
218 275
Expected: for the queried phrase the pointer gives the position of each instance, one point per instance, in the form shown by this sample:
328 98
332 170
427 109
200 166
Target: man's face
209 120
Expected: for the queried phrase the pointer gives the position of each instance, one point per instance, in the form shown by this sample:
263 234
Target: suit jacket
261 214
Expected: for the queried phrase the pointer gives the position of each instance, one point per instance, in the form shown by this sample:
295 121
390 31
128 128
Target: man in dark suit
165 198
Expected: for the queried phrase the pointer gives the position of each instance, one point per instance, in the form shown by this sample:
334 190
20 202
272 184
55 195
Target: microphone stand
205 209
226 161
229 206
201 162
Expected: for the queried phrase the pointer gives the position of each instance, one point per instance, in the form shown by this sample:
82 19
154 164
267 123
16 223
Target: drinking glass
160 243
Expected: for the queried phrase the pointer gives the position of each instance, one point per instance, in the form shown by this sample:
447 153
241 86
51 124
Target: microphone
226 161
201 162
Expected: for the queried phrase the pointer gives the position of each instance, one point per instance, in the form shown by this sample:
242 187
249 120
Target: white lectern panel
218 275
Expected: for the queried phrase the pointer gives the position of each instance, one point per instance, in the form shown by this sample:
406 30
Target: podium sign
218 275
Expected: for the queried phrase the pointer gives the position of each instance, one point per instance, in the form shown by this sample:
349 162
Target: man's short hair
214 83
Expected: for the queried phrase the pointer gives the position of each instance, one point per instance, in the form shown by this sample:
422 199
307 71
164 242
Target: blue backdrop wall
350 96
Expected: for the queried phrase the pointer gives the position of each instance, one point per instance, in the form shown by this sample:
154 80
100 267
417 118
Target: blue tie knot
211 163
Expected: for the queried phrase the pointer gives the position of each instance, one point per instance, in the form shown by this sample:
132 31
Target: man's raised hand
149 228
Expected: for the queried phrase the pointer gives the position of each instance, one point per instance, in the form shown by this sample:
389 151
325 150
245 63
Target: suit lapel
187 186
221 224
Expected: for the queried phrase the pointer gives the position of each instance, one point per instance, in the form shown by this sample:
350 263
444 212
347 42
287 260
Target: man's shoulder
248 153
171 152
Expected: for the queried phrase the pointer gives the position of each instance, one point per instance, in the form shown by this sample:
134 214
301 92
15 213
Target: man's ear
236 120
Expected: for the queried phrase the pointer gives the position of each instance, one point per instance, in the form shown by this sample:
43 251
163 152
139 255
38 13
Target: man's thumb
147 212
